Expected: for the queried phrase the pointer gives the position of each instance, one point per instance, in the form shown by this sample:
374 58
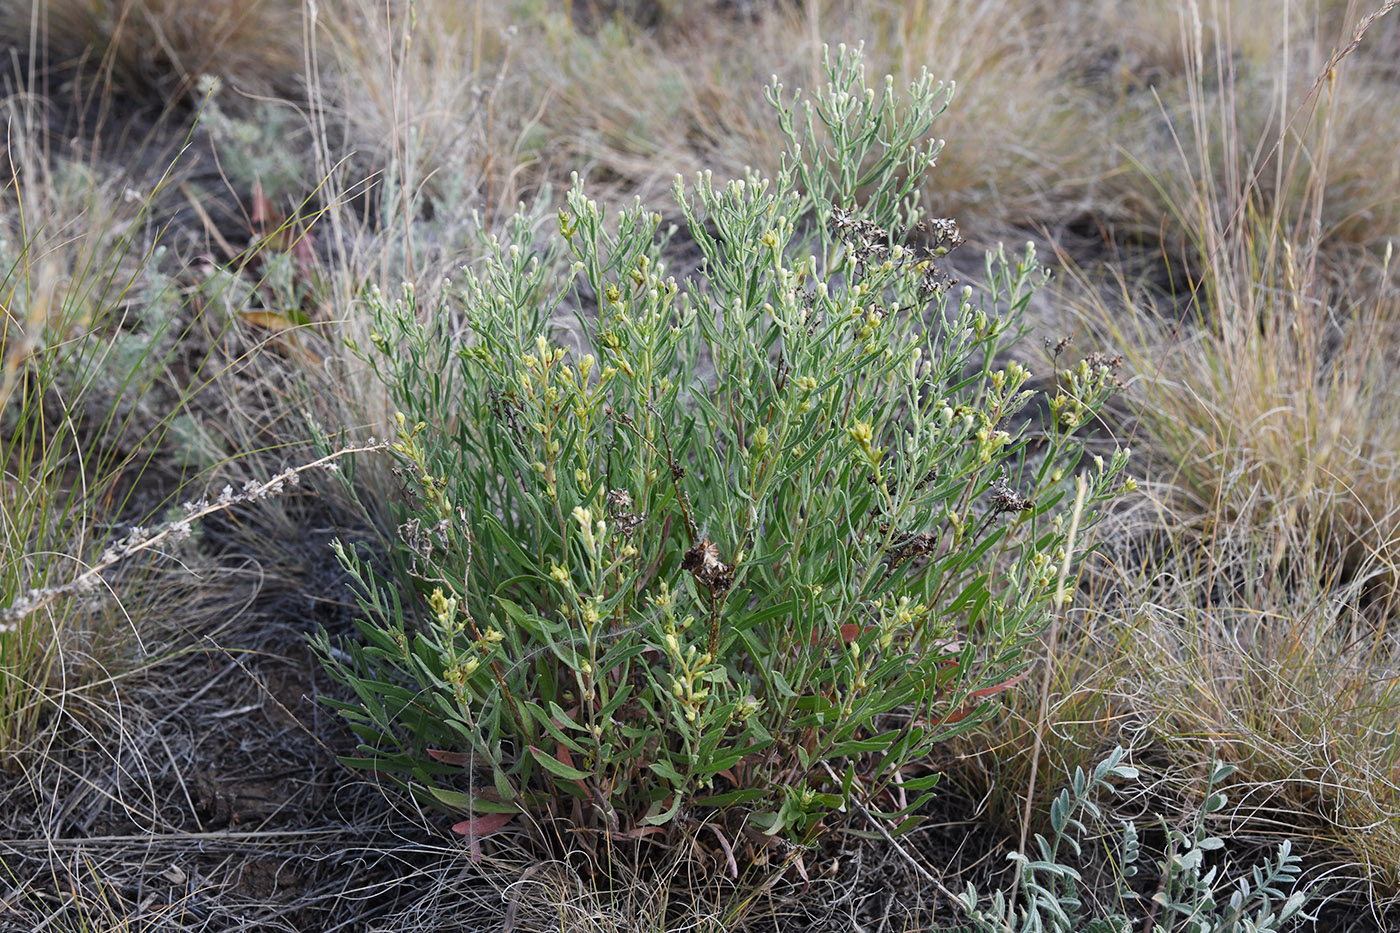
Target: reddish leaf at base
483 825
479 826
639 832
847 633
449 758
967 709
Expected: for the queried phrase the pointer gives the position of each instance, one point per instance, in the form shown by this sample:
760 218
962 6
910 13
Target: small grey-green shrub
773 532
1187 899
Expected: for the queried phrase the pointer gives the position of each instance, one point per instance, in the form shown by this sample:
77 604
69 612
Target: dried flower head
621 511
1006 499
703 563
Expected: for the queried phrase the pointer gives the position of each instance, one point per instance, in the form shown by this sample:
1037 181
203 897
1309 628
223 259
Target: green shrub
782 528
1186 897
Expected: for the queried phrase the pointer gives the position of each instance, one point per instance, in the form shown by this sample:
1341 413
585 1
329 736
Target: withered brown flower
703 563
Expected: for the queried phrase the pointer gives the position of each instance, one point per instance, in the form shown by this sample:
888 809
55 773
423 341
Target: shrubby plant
1187 897
773 531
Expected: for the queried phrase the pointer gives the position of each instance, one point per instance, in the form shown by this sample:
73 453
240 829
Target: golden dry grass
1025 139
1261 600
162 47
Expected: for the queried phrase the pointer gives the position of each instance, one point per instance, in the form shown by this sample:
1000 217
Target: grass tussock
1301 695
674 99
157 50
432 102
73 384
1262 597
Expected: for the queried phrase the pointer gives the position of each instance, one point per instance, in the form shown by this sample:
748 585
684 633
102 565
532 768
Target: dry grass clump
431 97
1298 687
1260 607
74 412
1288 428
1263 137
139 49
644 106
1264 385
640 107
1247 606
124 373
1025 131
130 370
